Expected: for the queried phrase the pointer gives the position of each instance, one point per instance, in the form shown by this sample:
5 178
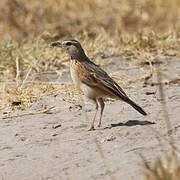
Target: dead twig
103 158
163 103
17 71
46 110
25 79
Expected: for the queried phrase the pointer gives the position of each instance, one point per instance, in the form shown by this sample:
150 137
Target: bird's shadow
131 123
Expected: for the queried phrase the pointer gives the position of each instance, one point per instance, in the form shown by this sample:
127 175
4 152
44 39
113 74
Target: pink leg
92 124
101 102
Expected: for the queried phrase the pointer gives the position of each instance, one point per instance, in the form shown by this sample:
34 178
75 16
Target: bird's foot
99 125
91 128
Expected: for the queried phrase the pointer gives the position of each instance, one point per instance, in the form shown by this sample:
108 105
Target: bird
92 80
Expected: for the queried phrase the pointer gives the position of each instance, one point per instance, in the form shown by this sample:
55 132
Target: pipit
93 81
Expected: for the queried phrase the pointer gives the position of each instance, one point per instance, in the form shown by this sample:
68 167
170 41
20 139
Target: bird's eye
68 44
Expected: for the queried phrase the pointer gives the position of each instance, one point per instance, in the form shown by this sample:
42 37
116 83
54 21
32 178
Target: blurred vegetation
166 167
22 18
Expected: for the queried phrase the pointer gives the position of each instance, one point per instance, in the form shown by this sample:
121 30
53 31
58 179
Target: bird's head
72 47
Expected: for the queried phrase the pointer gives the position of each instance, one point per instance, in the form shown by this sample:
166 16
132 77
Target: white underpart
88 91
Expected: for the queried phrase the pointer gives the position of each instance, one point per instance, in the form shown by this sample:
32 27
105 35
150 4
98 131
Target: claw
99 125
91 128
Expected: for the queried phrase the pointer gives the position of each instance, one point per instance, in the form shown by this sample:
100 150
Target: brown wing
96 77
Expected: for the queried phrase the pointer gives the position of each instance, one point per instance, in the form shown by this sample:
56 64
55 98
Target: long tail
135 106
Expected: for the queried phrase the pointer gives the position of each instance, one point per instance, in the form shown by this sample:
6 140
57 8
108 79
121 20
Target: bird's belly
88 91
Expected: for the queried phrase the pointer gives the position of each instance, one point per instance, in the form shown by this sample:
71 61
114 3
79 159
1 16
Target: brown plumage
93 81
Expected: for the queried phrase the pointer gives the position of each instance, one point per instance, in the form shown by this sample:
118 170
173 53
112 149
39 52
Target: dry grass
21 62
166 167
22 18
17 98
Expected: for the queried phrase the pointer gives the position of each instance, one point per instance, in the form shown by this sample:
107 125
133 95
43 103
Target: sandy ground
58 145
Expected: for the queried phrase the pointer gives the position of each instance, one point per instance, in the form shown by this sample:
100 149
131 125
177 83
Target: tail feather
135 106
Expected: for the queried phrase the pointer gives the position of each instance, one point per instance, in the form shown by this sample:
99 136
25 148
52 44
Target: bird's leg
92 124
101 102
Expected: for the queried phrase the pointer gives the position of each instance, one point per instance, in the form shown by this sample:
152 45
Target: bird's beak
56 44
